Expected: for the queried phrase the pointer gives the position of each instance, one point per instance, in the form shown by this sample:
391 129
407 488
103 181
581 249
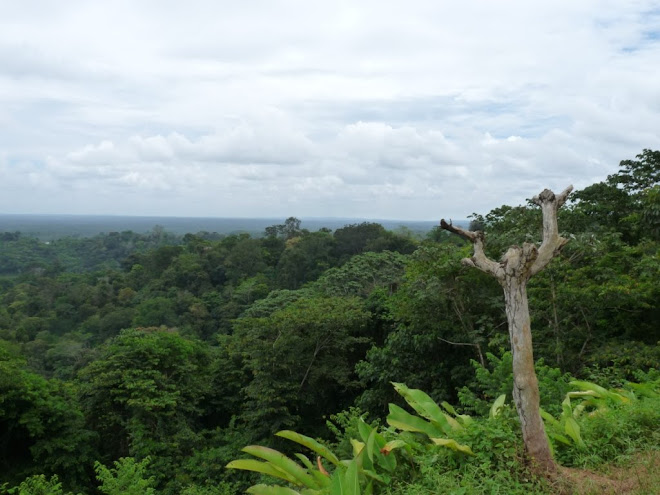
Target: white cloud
382 109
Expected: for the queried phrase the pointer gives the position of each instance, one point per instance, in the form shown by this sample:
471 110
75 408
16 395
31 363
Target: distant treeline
50 227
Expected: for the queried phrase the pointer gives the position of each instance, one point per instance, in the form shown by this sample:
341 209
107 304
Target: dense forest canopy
171 352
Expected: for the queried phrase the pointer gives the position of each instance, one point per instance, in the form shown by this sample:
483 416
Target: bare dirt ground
639 475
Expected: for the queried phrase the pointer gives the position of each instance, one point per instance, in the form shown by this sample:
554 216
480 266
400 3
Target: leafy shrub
37 485
600 424
614 432
497 379
127 477
344 427
437 450
617 362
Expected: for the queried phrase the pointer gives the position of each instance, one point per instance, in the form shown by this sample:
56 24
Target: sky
410 110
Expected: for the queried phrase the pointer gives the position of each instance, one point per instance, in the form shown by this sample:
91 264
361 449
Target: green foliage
344 426
301 360
362 275
618 362
353 239
638 176
369 465
127 477
305 259
38 485
615 432
42 424
496 379
432 314
415 458
598 424
298 324
143 395
434 423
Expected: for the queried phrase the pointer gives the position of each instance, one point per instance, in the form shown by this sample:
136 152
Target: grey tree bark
513 272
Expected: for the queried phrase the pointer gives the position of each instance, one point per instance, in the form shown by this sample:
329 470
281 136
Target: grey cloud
370 109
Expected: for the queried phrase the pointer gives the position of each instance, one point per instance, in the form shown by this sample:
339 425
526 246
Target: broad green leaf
561 438
351 479
384 479
282 462
310 443
567 411
588 386
337 483
371 441
616 397
392 445
452 444
387 462
426 407
357 446
628 395
549 418
271 490
497 406
306 462
644 389
455 425
403 420
362 454
449 408
364 429
465 419
600 404
261 467
572 429
321 478
578 410
583 393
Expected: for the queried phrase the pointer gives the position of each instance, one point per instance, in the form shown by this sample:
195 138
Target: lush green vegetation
143 363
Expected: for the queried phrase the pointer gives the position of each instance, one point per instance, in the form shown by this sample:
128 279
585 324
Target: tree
288 230
305 259
513 272
627 202
300 360
41 426
637 176
435 311
353 239
143 396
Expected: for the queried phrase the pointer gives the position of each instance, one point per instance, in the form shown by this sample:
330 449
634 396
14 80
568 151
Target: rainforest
344 360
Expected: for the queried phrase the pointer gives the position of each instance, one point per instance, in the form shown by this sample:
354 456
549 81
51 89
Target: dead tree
513 271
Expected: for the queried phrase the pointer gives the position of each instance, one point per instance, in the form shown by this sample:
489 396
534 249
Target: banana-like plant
432 420
566 429
372 461
649 389
349 477
592 398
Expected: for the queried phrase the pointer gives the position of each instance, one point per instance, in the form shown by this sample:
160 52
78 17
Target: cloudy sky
372 109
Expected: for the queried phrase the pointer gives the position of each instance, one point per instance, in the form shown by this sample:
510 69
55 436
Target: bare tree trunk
525 384
513 271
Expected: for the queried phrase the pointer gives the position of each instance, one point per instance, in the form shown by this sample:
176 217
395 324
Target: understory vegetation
359 360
